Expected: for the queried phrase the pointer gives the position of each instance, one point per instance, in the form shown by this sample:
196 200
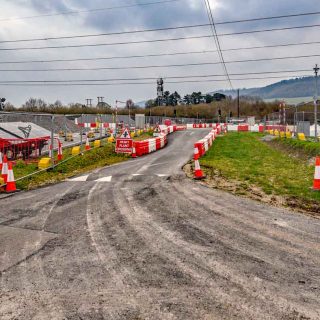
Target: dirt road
140 241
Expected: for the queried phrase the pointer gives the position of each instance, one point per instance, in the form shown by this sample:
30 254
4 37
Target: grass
306 148
95 158
244 157
144 136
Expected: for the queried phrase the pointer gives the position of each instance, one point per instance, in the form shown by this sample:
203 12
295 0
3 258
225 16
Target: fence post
52 140
81 132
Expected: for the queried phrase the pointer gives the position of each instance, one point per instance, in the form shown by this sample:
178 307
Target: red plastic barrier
143 147
158 143
200 147
243 127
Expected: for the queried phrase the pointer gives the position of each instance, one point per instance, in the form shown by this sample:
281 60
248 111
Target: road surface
140 241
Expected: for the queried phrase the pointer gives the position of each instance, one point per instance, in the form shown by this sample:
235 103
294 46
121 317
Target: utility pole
100 101
89 102
238 101
316 70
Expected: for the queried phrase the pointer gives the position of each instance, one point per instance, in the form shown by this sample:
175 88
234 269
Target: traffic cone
0 160
11 184
87 144
4 170
134 152
60 156
198 173
316 181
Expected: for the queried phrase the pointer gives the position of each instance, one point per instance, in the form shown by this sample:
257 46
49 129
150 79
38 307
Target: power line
273 46
89 11
156 40
158 66
216 39
269 18
157 30
133 83
154 78
166 54
105 44
109 58
268 30
107 34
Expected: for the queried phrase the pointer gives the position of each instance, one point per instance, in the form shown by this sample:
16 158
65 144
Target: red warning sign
124 144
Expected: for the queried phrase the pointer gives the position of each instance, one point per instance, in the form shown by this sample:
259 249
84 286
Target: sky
34 19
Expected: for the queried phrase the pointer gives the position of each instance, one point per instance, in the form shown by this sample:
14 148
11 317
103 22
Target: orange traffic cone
316 181
4 170
11 184
134 152
87 144
60 157
1 161
198 173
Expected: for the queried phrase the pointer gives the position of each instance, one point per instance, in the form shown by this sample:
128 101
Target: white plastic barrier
152 145
254 128
232 127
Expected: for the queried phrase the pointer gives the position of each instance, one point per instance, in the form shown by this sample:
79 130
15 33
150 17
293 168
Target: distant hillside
293 88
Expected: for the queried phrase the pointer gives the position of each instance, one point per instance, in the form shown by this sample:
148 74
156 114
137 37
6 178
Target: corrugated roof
23 130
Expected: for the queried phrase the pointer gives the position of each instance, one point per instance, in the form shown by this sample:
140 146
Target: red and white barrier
200 149
150 145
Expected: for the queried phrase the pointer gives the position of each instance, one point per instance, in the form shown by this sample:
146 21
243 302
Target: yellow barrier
301 137
111 139
276 133
75 151
97 144
282 134
1 183
132 134
288 135
44 163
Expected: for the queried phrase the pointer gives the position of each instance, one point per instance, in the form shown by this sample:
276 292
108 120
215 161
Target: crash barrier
141 148
200 149
302 137
244 127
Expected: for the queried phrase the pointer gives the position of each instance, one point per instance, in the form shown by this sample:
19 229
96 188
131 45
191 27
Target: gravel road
140 241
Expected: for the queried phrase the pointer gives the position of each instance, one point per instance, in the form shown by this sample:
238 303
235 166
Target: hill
293 88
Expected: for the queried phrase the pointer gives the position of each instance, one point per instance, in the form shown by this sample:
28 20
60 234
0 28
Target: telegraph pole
238 102
316 70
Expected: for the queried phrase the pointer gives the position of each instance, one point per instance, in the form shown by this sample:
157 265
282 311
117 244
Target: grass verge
245 165
95 158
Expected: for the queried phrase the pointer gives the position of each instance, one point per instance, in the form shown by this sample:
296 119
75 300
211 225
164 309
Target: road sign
125 134
124 143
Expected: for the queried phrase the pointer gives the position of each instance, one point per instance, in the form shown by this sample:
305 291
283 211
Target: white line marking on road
191 133
137 174
80 179
104 179
163 175
157 164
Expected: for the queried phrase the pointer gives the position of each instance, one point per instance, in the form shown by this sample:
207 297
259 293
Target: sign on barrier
124 144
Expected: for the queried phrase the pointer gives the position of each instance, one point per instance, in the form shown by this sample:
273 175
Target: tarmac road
140 241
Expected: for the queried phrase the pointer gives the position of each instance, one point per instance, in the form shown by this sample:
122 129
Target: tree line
174 99
249 106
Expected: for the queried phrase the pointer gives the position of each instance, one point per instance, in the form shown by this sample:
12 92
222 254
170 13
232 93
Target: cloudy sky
30 19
